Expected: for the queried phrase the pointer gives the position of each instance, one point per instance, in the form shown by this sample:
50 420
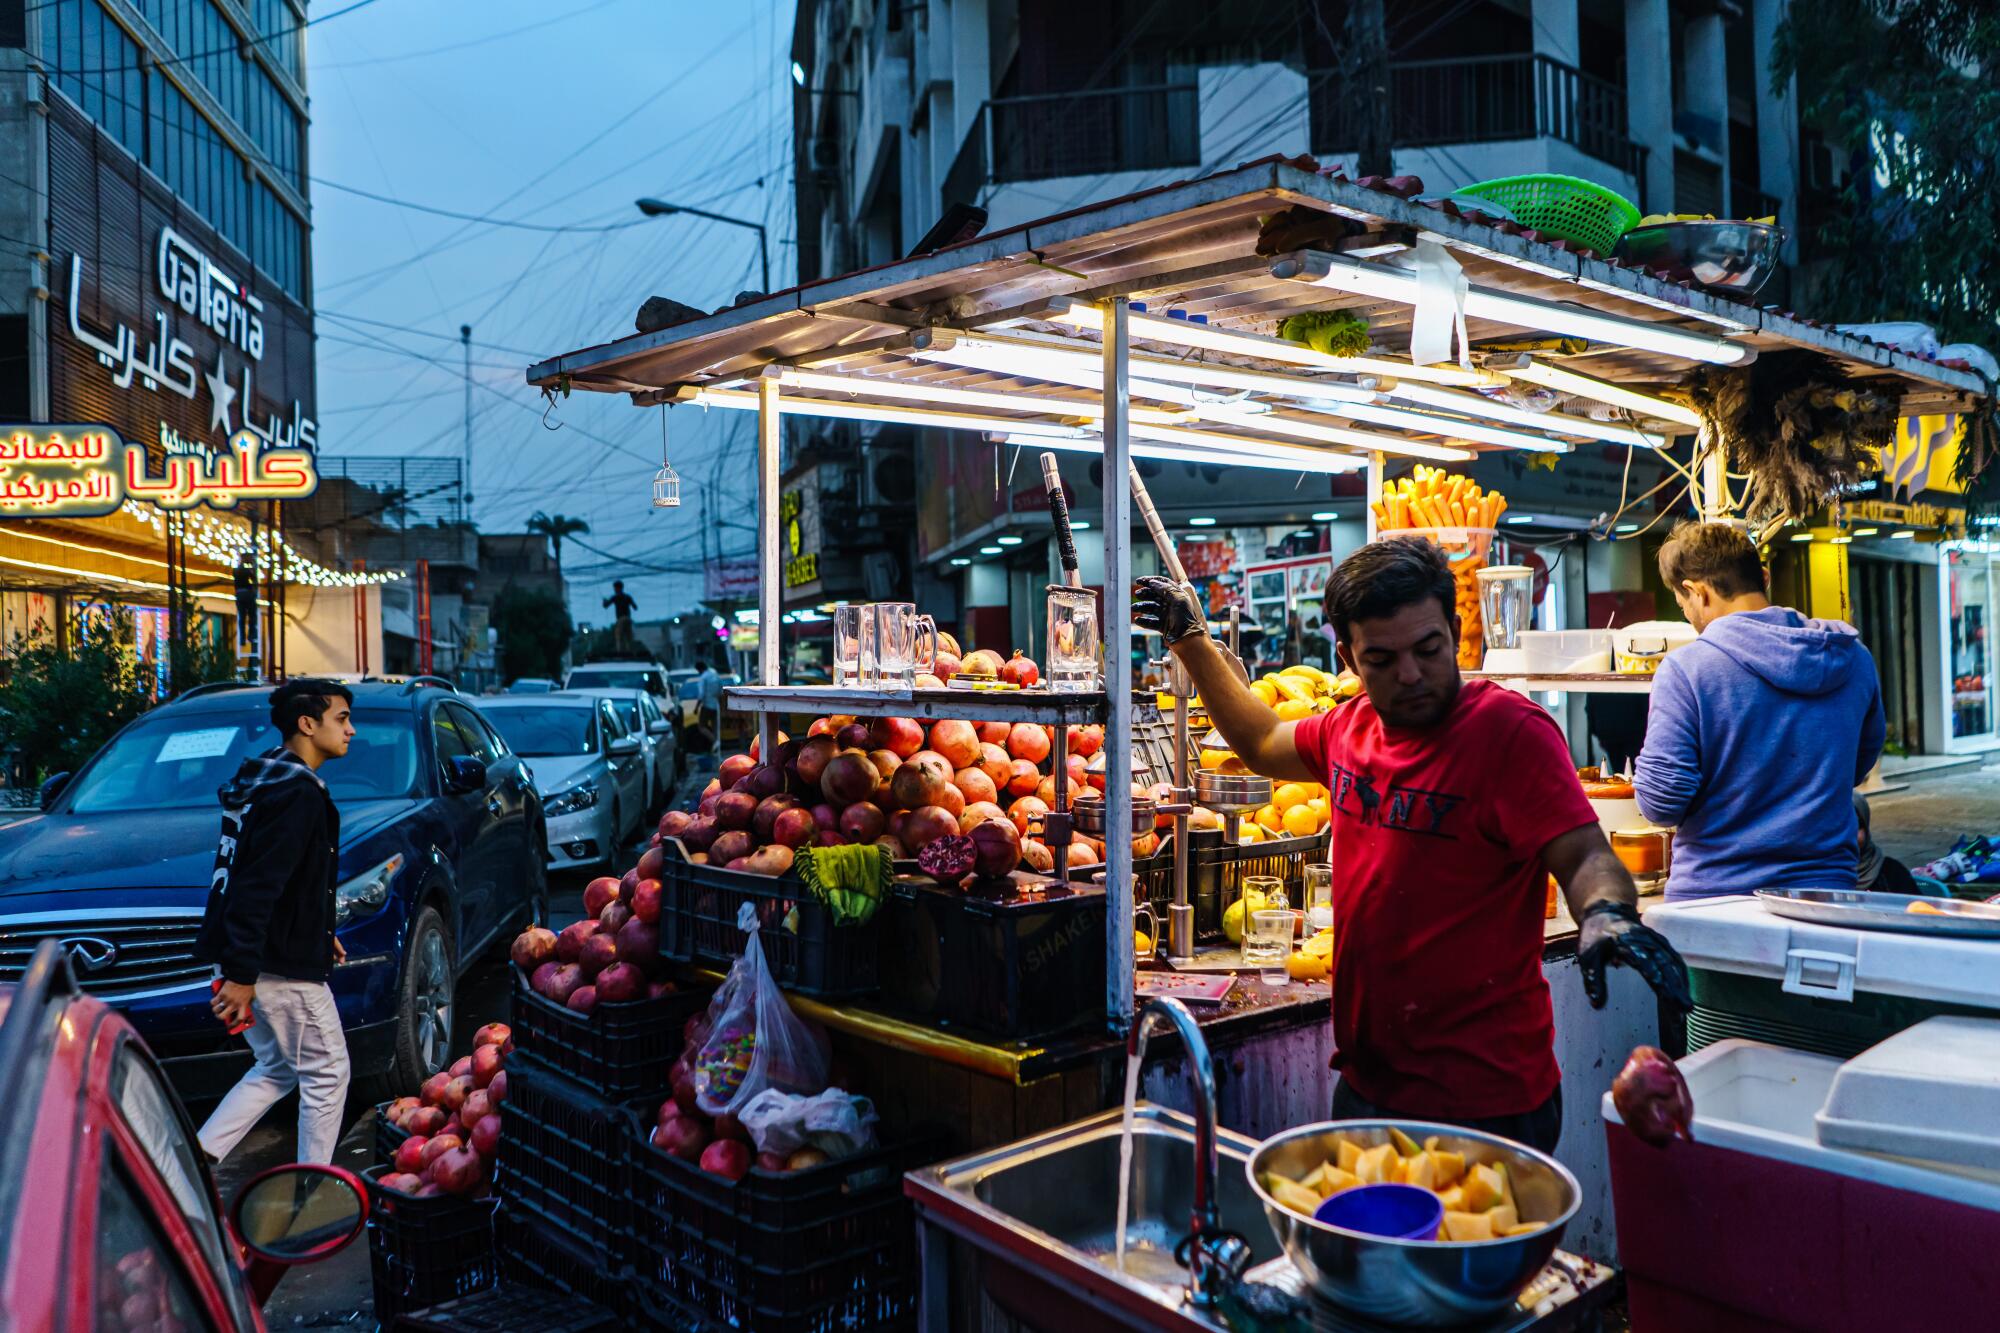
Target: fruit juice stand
1135 328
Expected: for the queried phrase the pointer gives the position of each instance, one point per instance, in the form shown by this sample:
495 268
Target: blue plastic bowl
1399 1212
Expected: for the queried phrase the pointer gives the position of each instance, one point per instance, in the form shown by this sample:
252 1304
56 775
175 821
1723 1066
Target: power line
424 333
475 217
461 46
234 48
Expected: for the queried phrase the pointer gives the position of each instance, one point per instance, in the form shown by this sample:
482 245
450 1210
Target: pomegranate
402 1182
727 1158
920 782
646 903
639 945
805 1159
1084 852
628 882
981 662
773 861
928 822
977 812
1045 791
426 1120
613 917
894 846
853 736
486 1062
1023 778
825 816
683 1137
948 859
569 944
765 780
699 834
401 1107
458 1172
1020 669
734 810
681 1081
492 1034
486 1137
455 1092
863 822
650 863
849 777
437 1146
992 733
583 999
496 1091
1027 813
1028 741
886 763
794 828
728 1126
659 989
820 727
827 837
714 786
948 643
975 786
478 1105
432 1090
409 1153
1652 1098
621 983
671 824
599 952
533 947
539 982
898 822
1037 857
995 763
1086 741
707 807
565 982
945 666
904 735
765 820
996 848
956 741
461 1067
770 1161
597 893
731 846
734 769
813 756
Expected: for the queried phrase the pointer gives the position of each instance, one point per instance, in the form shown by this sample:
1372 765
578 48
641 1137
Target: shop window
1971 620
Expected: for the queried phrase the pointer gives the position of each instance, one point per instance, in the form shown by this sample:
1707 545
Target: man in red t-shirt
1451 805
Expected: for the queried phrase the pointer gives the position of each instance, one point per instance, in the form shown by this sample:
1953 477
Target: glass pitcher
1071 664
889 656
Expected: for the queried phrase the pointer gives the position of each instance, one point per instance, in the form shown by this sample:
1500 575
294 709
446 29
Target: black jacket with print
271 897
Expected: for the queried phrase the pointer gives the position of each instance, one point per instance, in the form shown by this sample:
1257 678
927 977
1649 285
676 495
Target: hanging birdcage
666 482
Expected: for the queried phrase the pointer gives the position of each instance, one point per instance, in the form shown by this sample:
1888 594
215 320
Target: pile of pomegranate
453 1122
894 782
719 1144
609 957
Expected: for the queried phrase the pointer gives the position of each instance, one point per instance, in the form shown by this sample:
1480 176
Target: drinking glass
1146 922
847 618
1319 897
1267 943
1072 660
894 661
1268 887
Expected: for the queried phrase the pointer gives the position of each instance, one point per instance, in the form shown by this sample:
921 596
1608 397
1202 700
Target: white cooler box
1769 978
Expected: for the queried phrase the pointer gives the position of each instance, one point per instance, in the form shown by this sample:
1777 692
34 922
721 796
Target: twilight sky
556 116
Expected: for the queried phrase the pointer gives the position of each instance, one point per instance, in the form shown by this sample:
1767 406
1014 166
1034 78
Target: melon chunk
1483 1188
1348 1156
1335 1180
1450 1166
1467 1226
1295 1196
1375 1164
1420 1170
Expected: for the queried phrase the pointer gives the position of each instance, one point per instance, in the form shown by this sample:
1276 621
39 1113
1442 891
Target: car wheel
425 1008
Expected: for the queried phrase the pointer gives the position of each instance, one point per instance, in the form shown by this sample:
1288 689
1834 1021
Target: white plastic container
1931 1093
1639 649
1555 652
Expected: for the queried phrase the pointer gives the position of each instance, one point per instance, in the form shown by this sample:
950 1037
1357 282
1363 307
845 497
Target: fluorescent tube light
1556 423
1065 361
1311 430
742 401
1325 516
991 550
1201 522
960 561
1225 450
1383 283
1626 527
947 395
1455 427
1865 532
1520 518
1213 338
1602 391
1008 541
1903 535
1802 536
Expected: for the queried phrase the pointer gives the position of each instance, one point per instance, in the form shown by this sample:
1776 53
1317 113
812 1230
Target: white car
590 772
636 674
641 714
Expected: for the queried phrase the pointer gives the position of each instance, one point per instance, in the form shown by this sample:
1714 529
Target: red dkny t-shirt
1439 1004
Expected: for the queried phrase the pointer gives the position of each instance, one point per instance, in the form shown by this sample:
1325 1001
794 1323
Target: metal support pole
465 476
769 434
1374 492
1119 963
1711 499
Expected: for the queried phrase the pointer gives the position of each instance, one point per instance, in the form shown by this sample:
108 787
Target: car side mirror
625 745
659 728
52 787
463 773
296 1214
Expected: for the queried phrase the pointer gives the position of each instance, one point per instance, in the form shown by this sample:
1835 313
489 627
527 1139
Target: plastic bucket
1398 1212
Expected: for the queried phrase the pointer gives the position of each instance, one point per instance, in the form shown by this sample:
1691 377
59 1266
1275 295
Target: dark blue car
443 855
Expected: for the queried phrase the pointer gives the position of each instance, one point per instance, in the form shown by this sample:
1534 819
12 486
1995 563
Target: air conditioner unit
888 475
823 154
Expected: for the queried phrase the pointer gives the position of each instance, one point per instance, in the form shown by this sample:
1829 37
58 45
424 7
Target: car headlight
572 799
366 892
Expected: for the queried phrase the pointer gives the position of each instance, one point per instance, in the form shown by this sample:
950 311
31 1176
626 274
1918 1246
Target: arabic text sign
87 471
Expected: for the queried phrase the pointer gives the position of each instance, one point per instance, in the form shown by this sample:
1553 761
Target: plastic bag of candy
755 1041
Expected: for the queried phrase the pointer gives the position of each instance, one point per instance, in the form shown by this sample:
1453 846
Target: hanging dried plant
1975 469
1795 423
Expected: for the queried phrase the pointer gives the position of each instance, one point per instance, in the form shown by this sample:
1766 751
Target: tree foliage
534 628
1910 90
59 705
556 527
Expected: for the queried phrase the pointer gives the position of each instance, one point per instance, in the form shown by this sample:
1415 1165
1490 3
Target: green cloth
850 880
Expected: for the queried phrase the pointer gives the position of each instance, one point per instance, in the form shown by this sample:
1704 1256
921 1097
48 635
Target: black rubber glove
1168 607
1611 934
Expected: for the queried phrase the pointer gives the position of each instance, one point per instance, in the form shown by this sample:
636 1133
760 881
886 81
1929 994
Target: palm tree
556 527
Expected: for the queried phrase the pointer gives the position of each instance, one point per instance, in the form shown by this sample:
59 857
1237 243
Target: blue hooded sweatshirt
1757 734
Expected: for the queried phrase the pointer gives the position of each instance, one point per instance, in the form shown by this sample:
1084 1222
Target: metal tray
1851 909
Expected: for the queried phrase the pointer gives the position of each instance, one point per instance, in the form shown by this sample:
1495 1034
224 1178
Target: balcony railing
1483 99
1049 135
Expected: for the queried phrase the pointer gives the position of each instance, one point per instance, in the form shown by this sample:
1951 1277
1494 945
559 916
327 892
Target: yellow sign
1923 456
87 471
743 638
801 533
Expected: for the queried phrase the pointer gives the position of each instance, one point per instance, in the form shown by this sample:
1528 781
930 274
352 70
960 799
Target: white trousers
298 1044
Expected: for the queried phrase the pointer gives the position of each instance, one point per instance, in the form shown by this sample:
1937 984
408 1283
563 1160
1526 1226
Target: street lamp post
657 208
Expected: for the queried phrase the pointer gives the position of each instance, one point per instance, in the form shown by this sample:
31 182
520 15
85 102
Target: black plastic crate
824 1250
1217 871
535 1253
388 1137
1019 968
423 1251
617 1051
509 1308
806 951
562 1158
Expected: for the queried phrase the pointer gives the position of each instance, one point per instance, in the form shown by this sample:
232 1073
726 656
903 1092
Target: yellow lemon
1252 832
1319 807
1215 758
1232 915
1300 821
1142 944
1265 691
1306 967
1271 818
1289 794
1294 710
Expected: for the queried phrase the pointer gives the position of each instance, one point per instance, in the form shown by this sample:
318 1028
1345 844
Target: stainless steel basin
1050 1203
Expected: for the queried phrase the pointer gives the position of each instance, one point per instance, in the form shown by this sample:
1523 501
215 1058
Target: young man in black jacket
268 926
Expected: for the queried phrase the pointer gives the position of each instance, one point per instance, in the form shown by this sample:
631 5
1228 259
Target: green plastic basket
1576 210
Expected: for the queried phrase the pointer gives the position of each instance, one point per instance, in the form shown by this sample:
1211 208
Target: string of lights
225 543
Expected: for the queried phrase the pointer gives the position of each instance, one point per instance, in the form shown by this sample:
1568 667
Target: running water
1125 1152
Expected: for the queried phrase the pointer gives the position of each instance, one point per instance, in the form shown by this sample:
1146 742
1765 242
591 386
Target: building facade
156 277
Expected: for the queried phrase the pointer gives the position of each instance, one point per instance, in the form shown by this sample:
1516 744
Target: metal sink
1048 1204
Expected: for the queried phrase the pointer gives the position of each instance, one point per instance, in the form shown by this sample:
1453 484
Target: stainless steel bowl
1089 816
1720 253
1232 792
1427 1284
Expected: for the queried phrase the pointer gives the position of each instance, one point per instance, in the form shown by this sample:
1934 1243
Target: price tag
204 744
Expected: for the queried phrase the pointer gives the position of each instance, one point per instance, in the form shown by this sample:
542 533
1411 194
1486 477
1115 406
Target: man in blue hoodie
1758 731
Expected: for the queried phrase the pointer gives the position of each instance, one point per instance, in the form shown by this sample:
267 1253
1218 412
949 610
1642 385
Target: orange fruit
1300 821
1289 794
1271 818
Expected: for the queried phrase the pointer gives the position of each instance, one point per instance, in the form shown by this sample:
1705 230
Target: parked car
442 841
591 774
532 685
659 738
635 674
109 1218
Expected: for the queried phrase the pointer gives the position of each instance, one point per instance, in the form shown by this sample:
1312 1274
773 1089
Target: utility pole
465 467
1367 86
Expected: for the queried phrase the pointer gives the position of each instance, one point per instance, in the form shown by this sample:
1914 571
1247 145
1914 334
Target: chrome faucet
1214 1257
